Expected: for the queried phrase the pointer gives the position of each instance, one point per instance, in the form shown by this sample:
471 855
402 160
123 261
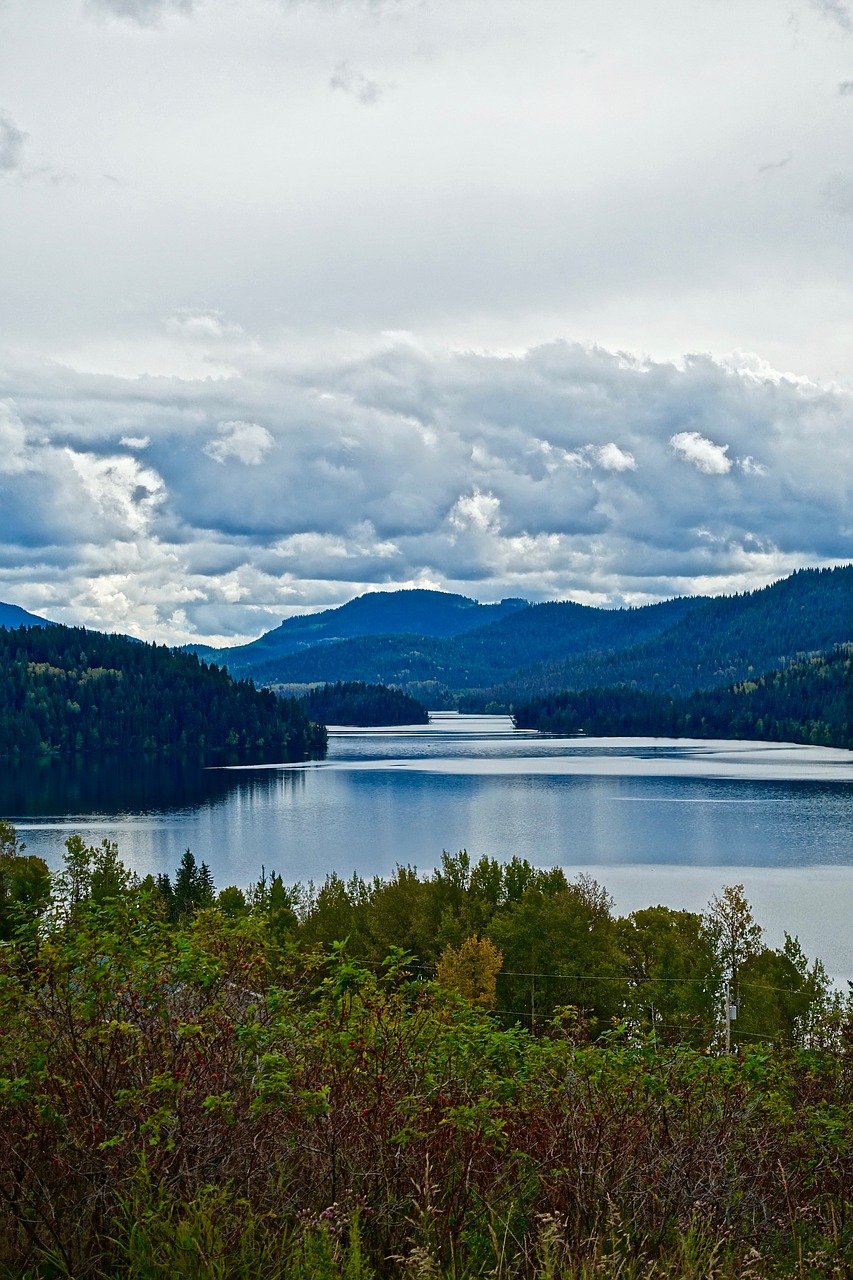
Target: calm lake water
656 820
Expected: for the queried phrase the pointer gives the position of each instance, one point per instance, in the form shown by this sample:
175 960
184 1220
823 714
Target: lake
655 820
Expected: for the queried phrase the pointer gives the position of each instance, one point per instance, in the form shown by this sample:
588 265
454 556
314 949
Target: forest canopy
65 690
809 701
352 702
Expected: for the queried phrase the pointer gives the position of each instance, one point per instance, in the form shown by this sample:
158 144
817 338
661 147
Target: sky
306 298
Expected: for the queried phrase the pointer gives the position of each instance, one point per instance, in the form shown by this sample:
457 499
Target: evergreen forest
810 701
675 647
352 702
67 690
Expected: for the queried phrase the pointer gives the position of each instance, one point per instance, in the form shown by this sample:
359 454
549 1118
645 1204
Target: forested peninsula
352 702
66 690
810 701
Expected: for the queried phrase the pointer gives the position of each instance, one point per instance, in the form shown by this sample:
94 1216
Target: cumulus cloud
12 143
553 474
12 440
476 510
706 456
122 491
347 80
612 458
248 442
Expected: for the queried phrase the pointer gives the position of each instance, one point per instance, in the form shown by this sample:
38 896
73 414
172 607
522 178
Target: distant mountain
480 657
416 613
716 643
675 647
12 616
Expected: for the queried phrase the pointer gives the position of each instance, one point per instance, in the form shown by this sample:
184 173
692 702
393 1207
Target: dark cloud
347 80
146 13
12 144
836 12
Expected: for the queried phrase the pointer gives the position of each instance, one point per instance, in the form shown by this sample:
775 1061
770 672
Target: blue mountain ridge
12 616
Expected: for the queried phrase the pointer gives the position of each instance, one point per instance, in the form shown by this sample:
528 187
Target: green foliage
25 885
217 1095
65 690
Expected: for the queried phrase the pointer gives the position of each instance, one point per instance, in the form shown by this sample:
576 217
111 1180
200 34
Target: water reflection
650 818
109 785
384 797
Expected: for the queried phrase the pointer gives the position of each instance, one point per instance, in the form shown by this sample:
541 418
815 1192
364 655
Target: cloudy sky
303 298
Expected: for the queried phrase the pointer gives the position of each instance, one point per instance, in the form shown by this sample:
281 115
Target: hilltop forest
65 690
674 648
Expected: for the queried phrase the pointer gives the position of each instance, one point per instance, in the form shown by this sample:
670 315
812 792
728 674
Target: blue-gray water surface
655 820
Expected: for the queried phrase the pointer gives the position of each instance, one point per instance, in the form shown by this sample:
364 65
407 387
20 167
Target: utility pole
728 1017
731 1012
532 1003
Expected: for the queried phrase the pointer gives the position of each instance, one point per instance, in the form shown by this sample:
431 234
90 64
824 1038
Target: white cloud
204 325
122 491
248 442
706 456
750 467
13 440
836 11
612 458
479 511
341 491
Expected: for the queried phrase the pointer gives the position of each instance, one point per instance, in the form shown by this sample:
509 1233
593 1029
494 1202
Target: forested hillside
352 702
379 613
675 647
479 656
810 701
65 690
719 642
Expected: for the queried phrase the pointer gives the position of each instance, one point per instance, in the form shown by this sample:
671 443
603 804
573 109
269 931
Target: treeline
714 644
558 941
810 701
199 1086
674 647
65 690
351 702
